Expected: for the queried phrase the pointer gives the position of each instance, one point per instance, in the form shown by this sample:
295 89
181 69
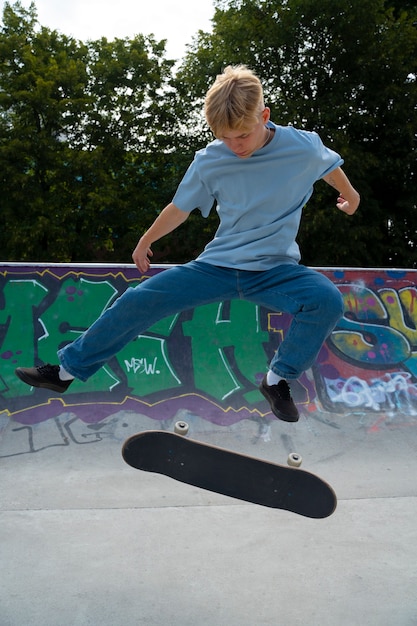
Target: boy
261 175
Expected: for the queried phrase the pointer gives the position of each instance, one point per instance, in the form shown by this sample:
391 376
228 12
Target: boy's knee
333 303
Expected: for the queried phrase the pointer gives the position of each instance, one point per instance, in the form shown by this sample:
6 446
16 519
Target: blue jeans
314 302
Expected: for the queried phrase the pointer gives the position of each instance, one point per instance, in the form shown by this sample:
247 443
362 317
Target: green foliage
87 133
95 136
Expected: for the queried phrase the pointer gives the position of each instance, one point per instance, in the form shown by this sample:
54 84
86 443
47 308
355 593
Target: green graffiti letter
77 305
18 347
212 334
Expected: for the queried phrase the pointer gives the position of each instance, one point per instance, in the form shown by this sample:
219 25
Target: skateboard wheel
294 460
181 428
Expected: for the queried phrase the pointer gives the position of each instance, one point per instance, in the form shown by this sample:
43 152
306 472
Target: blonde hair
234 101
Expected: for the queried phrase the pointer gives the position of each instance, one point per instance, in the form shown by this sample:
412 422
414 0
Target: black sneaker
279 397
43 376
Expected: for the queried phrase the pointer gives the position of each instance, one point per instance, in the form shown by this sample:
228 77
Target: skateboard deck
231 474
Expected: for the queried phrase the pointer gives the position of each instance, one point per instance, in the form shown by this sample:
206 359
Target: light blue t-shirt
259 199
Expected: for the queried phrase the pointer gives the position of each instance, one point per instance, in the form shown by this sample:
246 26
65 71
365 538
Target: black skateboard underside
229 473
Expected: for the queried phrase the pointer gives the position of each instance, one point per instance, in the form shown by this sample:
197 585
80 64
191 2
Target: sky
176 21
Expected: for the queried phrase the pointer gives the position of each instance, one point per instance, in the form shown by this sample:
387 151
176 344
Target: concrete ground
86 540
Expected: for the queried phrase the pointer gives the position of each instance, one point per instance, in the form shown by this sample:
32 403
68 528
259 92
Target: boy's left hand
347 206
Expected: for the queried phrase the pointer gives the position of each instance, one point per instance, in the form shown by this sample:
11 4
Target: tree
348 72
95 136
86 132
41 75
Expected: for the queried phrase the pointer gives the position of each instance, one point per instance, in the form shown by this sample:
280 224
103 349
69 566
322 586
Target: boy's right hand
141 256
166 222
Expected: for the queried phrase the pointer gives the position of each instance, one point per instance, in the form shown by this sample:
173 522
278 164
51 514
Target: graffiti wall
209 360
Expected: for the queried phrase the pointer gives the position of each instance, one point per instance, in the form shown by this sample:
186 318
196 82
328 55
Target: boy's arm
166 222
348 200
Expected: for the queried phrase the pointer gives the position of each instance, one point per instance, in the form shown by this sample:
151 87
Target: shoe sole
36 383
281 416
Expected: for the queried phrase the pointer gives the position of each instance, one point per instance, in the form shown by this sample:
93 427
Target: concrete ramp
87 540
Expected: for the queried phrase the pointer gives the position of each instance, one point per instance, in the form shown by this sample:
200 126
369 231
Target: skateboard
231 474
